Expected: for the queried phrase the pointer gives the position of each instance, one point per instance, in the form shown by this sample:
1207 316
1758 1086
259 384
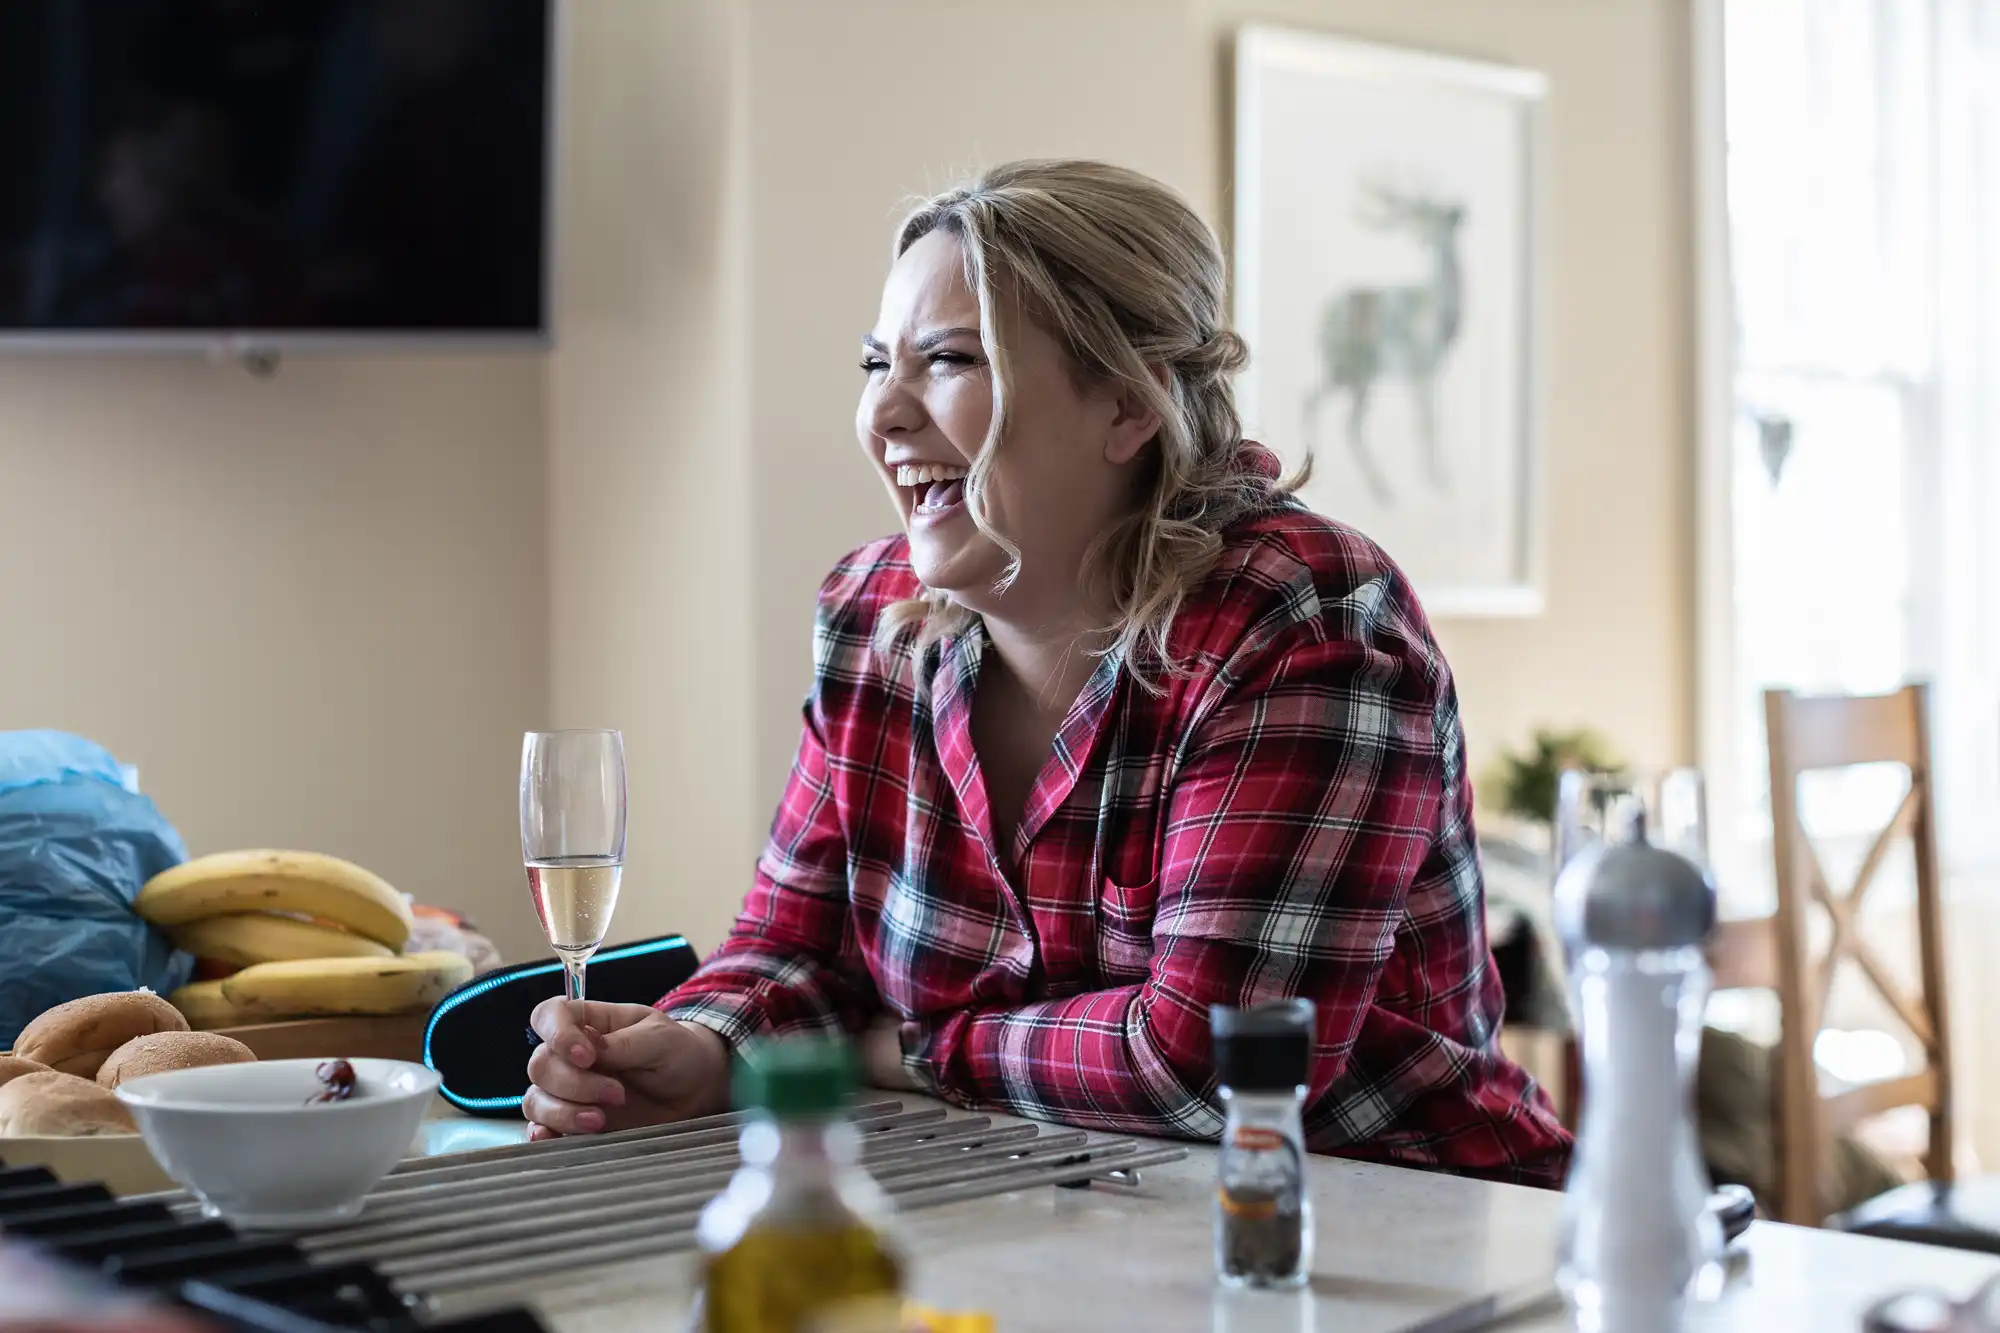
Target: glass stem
573 968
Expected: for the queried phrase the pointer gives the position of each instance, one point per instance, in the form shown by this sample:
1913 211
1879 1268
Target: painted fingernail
579 1054
615 1095
590 1121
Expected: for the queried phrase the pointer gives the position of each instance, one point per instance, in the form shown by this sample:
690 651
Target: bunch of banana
202 1005
317 987
236 883
312 935
401 985
265 937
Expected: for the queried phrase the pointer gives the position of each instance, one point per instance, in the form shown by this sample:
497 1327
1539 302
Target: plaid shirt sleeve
790 962
1306 804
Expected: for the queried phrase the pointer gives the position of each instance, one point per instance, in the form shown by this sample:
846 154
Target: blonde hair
1131 282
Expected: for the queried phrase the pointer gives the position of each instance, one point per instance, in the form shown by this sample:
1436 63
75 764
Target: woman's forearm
1127 1059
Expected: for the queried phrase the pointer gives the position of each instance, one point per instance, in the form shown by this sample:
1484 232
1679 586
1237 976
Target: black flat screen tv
274 170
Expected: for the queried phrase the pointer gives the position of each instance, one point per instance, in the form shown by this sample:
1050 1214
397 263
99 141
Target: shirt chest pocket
1125 930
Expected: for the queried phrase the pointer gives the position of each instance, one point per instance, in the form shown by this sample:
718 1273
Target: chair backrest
1807 734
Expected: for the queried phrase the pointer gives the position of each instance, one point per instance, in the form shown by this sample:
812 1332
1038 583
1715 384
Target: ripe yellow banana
232 883
314 986
265 937
202 1004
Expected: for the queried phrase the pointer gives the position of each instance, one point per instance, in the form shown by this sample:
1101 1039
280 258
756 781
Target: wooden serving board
122 1162
350 1036
126 1166
354 1037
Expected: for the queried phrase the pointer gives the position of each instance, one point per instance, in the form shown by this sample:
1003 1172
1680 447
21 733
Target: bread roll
13 1066
63 1106
78 1037
162 1051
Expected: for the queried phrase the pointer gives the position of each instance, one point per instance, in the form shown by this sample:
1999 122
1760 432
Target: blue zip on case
478 1038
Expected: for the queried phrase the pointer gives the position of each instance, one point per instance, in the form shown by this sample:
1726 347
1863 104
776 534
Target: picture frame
1388 282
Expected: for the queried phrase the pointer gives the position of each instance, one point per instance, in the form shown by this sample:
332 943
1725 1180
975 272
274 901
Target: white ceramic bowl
243 1139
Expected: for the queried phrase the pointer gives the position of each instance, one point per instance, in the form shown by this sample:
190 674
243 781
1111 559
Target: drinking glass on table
1668 810
573 838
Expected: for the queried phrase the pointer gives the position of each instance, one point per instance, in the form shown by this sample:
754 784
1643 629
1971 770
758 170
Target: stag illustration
1368 334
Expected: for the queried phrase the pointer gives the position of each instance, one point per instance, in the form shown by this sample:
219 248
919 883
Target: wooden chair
1808 734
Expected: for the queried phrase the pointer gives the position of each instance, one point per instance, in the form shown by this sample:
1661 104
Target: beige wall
849 116
1616 647
648 481
306 607
846 127
319 610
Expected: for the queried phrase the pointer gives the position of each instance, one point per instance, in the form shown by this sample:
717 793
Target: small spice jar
1263 1216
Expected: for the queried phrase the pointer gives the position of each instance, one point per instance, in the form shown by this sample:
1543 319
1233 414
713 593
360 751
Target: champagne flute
573 838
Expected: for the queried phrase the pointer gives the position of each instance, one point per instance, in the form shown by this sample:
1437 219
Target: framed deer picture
1386 280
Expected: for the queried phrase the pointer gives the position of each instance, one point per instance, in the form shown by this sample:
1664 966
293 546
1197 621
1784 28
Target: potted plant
1525 782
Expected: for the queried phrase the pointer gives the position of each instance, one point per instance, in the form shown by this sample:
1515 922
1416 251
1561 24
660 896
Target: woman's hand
882 1056
615 1066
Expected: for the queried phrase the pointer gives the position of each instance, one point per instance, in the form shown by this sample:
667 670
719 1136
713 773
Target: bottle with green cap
798 1242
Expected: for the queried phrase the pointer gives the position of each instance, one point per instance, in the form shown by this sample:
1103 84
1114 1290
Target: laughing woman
1112 731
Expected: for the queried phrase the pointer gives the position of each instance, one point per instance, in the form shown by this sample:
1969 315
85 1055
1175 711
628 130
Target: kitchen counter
1395 1247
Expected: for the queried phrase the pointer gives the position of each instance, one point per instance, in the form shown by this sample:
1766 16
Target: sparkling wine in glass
573 838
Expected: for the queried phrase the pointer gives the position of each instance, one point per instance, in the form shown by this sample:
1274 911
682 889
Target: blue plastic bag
75 846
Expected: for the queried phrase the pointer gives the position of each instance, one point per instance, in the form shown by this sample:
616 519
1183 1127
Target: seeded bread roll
13 1066
62 1106
78 1037
163 1051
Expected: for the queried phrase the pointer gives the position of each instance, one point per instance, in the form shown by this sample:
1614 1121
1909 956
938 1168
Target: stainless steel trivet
459 1222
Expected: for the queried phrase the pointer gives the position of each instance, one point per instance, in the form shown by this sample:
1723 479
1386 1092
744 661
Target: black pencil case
478 1038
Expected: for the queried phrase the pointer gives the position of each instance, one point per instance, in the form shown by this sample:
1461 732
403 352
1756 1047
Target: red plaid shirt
1292 818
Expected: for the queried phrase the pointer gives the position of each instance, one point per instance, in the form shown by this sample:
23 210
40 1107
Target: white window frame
1742 851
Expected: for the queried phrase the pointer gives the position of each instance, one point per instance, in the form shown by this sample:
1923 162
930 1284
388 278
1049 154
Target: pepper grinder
1263 1211
1638 1241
